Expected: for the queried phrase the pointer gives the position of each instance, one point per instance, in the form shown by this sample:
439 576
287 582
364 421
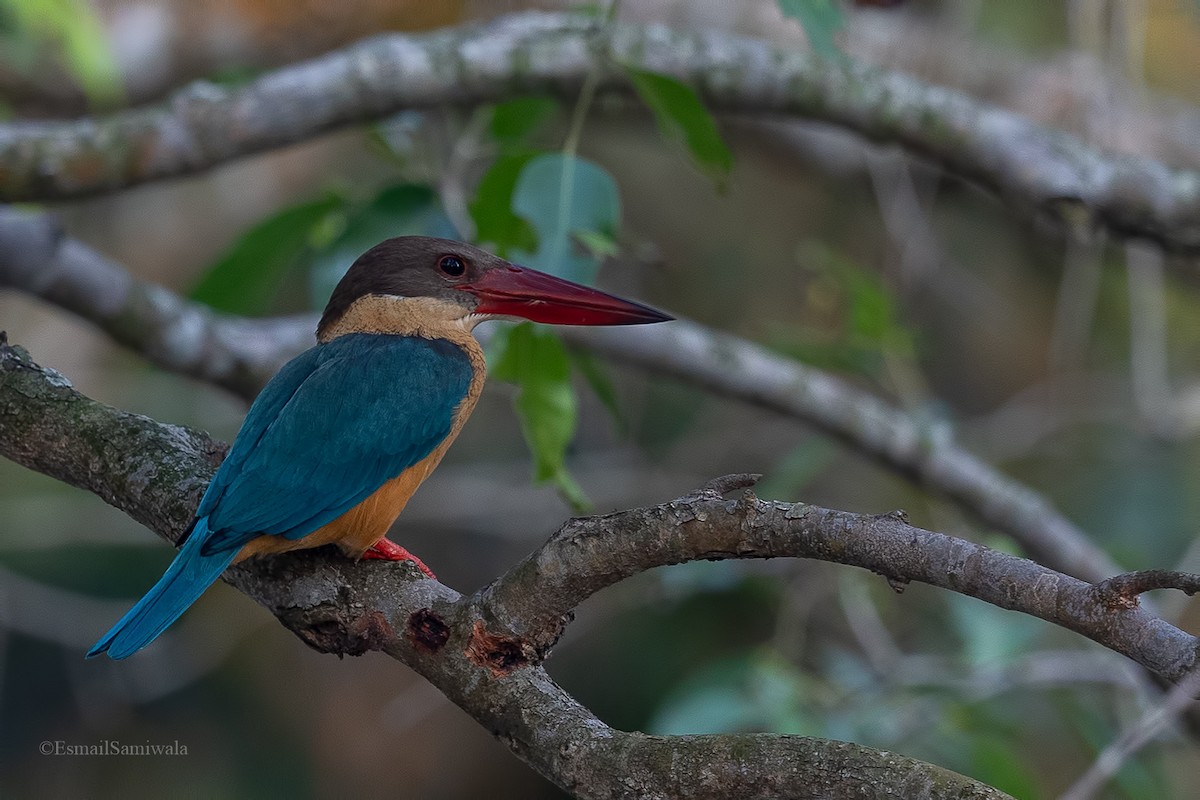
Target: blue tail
181 585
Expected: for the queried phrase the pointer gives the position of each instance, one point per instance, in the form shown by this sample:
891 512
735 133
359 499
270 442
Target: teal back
335 424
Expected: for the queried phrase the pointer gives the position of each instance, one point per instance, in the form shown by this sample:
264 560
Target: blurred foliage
854 321
321 237
680 113
402 209
72 30
246 278
821 19
560 195
799 467
537 362
496 224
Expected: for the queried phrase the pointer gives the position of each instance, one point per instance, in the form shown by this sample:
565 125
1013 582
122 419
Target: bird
338 440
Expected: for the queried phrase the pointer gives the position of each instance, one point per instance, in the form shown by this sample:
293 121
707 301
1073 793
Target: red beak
523 292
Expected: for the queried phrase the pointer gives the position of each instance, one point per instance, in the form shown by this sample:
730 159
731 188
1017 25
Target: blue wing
327 434
334 425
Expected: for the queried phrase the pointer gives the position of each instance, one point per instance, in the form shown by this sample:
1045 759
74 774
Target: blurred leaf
679 113
537 362
598 378
492 209
991 636
102 570
231 76
244 280
821 20
515 119
561 196
873 312
1139 776
667 412
600 245
751 691
75 28
853 319
797 469
1001 762
591 9
412 140
706 709
405 209
697 577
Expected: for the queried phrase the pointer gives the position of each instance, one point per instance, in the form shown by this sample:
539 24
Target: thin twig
1122 591
1113 757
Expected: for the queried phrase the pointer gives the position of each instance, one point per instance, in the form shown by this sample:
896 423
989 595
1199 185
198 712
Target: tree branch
483 651
235 353
1071 90
1122 590
242 354
589 554
157 472
205 125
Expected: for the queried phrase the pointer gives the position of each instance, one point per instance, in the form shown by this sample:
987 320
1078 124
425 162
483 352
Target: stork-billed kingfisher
337 442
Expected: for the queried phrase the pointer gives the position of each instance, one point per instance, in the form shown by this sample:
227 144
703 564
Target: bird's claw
387 550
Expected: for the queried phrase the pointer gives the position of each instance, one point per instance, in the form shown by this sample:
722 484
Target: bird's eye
452 266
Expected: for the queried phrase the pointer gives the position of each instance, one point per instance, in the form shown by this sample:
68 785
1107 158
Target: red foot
387 550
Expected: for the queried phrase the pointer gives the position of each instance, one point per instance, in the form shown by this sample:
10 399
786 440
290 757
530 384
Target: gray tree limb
1071 90
157 473
204 125
236 353
241 354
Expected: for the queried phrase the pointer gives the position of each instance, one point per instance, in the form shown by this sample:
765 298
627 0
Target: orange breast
365 524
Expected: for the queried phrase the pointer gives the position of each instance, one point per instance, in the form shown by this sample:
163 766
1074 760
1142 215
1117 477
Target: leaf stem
587 92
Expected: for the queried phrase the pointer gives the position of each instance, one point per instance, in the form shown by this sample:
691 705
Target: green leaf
244 280
1000 761
537 362
864 324
410 140
821 19
516 119
680 114
601 382
990 636
797 469
753 690
406 209
496 226
562 196
74 27
591 9
600 245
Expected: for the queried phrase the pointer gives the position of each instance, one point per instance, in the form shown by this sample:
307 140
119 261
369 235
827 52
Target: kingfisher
336 443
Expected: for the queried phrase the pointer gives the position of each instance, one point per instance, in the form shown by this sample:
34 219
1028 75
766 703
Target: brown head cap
411 266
